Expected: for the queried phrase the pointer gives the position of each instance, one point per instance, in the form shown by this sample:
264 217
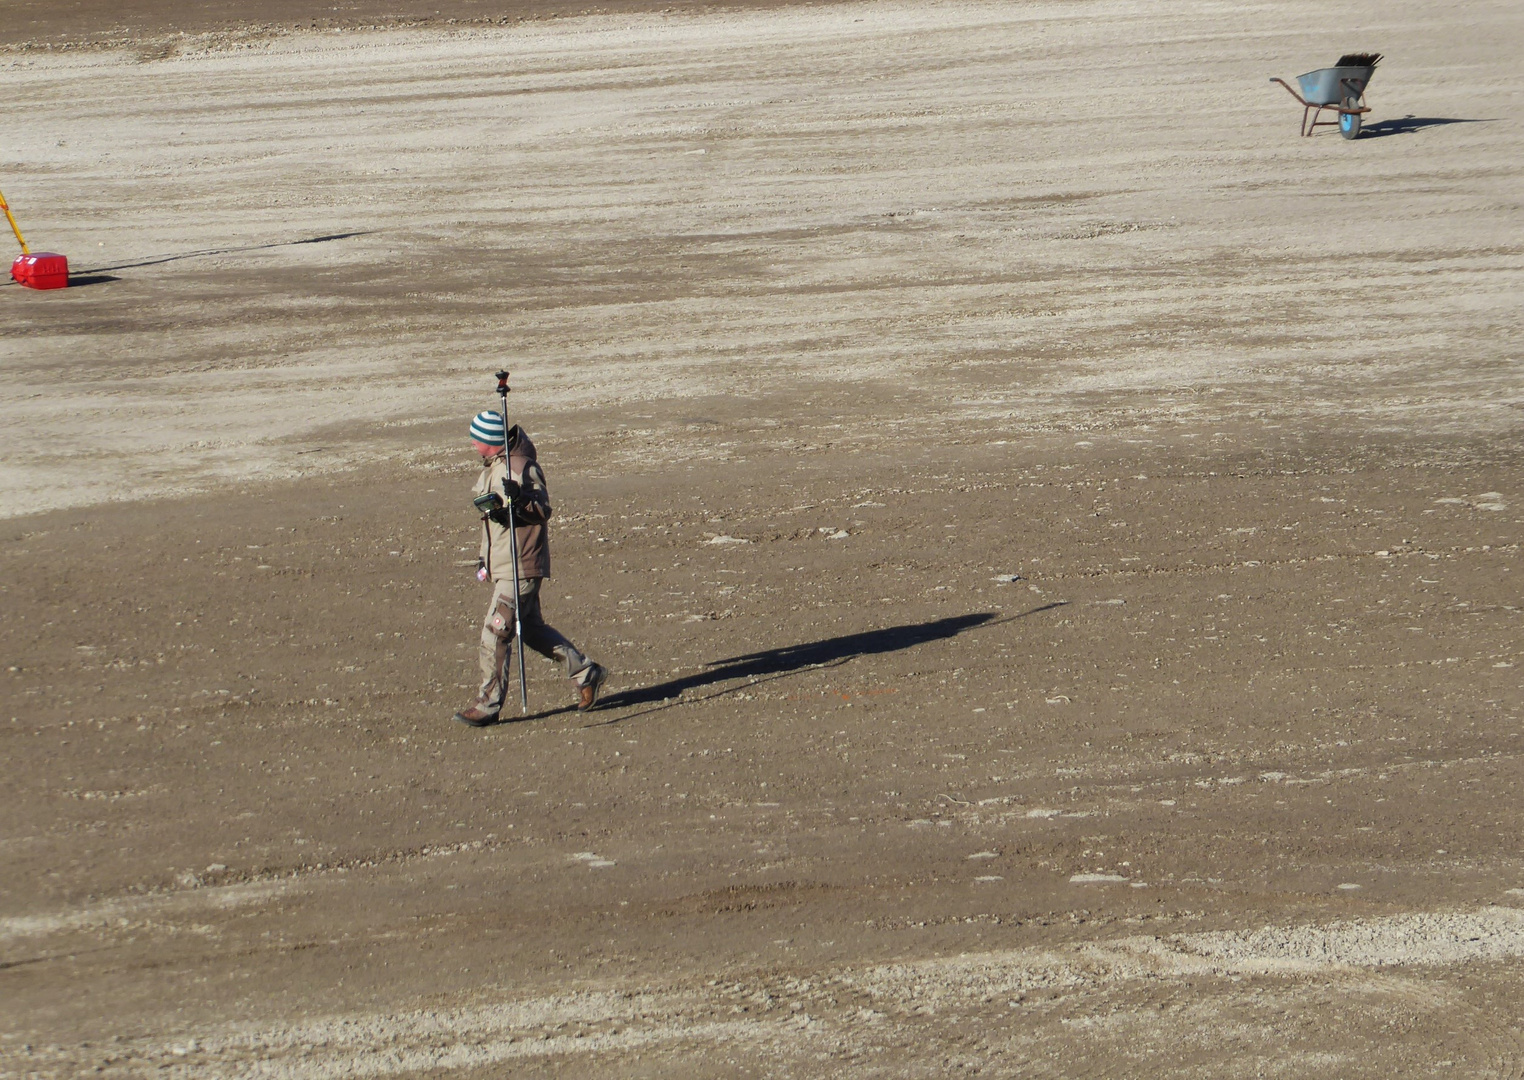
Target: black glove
519 497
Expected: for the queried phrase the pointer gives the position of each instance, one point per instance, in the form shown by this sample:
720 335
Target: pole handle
22 240
502 392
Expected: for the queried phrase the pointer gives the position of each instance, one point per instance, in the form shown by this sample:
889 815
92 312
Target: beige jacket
534 548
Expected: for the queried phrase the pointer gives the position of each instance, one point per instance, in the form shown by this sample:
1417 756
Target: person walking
516 477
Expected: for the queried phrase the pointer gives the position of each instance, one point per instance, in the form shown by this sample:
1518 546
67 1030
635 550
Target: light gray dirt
1051 527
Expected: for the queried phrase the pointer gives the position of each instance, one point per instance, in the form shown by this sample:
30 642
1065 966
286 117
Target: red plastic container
41 270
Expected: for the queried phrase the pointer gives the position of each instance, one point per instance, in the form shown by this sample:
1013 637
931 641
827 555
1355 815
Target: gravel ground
1051 529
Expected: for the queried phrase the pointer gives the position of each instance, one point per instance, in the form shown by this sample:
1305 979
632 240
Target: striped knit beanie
487 428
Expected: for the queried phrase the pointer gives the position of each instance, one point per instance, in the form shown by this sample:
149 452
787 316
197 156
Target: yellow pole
14 227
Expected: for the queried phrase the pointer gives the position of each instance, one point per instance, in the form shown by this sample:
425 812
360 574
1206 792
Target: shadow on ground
1409 124
795 657
157 259
508 716
76 280
774 663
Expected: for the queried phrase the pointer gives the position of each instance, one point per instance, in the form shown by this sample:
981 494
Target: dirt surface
162 27
1053 545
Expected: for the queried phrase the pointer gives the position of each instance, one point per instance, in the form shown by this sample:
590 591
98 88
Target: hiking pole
513 546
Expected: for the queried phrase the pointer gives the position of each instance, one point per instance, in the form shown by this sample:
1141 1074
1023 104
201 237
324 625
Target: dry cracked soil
1051 529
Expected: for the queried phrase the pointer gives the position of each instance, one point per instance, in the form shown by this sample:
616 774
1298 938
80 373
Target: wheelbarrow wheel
1349 122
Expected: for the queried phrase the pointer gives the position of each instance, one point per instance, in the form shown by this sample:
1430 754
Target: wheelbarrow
1340 88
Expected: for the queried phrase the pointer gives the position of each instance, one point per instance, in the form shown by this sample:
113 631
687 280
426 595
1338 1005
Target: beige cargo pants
497 639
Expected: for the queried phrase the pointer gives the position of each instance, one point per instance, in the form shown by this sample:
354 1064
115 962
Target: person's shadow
827 652
1410 123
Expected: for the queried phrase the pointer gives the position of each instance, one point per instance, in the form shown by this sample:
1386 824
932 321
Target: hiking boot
587 692
479 714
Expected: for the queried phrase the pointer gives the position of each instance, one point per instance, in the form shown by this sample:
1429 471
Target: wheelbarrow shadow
1409 124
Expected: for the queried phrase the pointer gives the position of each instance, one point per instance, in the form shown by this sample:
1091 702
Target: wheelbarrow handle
1290 91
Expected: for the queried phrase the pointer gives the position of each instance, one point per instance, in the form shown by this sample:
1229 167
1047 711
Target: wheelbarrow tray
1335 85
